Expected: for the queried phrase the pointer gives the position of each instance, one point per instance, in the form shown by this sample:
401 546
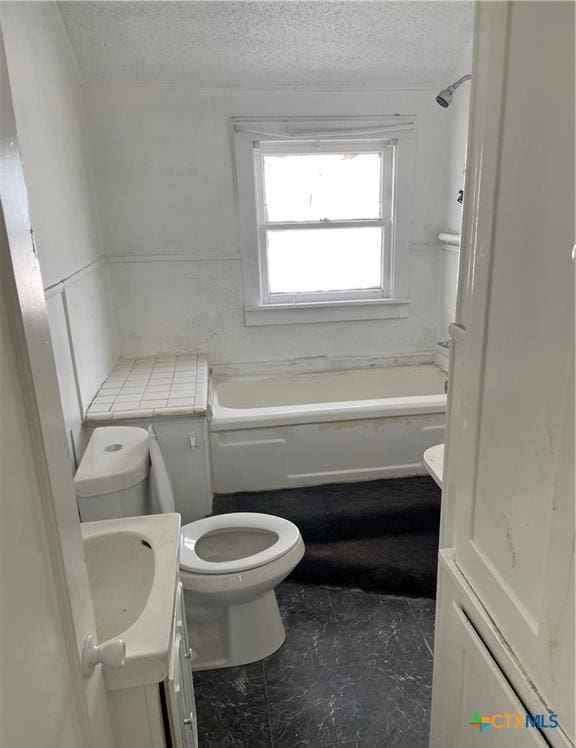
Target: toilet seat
288 537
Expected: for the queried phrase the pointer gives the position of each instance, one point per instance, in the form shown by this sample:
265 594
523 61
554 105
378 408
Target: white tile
180 401
90 417
124 399
159 403
156 388
128 405
102 408
119 415
104 390
132 390
201 400
103 399
180 390
173 411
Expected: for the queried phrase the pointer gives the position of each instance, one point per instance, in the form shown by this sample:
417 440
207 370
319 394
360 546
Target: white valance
336 128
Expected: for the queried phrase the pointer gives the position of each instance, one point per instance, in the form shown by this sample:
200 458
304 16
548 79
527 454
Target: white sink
133 569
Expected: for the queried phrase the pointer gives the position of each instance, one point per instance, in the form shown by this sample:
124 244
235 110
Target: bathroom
306 476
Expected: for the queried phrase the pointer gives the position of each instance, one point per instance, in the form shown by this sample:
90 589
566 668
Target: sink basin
119 598
132 569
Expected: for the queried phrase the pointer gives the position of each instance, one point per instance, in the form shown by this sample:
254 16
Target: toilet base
235 634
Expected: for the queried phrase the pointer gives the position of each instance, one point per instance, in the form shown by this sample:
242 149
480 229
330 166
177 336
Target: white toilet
229 564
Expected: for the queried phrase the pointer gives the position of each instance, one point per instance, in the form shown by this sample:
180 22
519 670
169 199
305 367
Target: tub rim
236 419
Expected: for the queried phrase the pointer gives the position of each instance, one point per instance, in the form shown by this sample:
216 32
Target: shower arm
459 82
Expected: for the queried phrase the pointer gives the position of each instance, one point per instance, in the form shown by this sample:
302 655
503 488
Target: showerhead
444 98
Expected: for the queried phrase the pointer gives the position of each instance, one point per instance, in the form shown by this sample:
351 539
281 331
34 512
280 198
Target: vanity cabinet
179 686
160 715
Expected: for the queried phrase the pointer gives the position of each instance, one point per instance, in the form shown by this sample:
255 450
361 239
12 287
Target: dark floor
379 536
355 670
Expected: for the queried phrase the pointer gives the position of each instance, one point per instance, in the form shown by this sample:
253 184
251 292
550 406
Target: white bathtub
358 424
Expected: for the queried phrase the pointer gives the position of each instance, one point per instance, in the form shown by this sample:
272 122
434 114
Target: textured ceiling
269 44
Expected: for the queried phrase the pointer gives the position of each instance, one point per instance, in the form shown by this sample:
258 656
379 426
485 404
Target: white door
510 475
46 604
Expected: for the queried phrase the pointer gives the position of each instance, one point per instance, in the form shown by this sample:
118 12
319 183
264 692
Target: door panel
476 684
510 471
55 503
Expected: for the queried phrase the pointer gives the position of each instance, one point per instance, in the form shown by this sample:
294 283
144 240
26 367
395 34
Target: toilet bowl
229 567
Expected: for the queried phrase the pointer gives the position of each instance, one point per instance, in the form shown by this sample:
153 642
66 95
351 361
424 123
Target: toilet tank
112 478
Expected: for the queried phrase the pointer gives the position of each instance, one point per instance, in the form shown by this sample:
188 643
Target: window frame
386 149
391 136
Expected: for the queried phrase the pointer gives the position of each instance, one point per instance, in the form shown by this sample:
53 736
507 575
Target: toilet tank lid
116 458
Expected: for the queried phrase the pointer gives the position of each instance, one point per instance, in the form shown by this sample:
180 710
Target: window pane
312 187
316 260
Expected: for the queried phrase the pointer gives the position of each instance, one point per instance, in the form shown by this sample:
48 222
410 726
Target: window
319 219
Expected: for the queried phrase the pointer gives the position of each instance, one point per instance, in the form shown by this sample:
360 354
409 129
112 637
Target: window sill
326 311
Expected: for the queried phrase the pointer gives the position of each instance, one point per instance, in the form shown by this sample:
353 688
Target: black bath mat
391 564
380 536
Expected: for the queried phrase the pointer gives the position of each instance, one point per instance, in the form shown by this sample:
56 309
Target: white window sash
385 149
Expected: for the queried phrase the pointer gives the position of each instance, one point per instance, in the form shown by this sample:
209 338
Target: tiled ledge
153 386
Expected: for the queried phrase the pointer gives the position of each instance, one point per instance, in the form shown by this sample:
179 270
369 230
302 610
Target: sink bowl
118 597
133 569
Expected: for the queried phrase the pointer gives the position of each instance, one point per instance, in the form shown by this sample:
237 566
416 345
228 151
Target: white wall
457 116
162 160
45 83
49 107
458 127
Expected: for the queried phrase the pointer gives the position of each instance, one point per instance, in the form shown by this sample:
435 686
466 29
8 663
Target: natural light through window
316 187
307 261
323 224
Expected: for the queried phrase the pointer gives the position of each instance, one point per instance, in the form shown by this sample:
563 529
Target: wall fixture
444 98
